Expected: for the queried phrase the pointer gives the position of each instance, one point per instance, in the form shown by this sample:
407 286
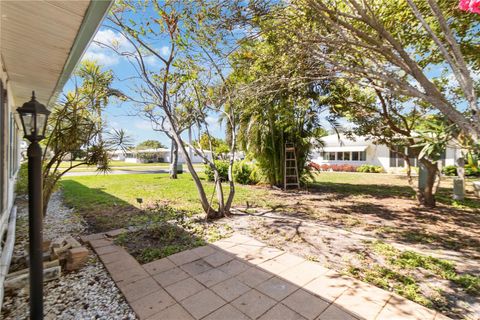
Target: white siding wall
381 156
9 148
451 156
9 165
194 157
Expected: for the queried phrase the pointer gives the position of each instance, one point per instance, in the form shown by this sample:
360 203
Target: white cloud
152 61
102 58
113 124
103 55
111 38
105 40
165 50
143 125
213 122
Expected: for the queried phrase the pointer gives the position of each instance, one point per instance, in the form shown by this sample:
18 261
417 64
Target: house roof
342 140
42 41
345 148
151 150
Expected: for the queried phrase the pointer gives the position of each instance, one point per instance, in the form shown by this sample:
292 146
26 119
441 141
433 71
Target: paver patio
242 278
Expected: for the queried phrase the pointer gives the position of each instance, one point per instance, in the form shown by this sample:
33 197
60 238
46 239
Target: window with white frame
359 156
329 156
345 156
396 159
363 155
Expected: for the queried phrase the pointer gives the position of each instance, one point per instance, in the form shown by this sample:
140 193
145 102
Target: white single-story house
41 43
155 155
357 150
142 156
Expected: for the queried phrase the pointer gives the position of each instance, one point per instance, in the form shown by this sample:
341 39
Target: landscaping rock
115 233
76 258
88 293
476 188
23 280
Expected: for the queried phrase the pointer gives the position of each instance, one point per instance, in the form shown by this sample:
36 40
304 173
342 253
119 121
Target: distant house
154 156
358 150
143 156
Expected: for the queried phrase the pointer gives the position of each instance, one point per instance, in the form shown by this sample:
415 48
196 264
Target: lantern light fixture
33 116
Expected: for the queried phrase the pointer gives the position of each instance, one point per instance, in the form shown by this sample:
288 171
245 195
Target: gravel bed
88 293
60 221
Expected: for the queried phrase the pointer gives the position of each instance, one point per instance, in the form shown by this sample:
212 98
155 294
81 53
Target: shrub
325 167
343 167
148 157
368 168
257 176
471 170
245 173
348 168
449 170
22 179
222 167
364 168
333 167
314 166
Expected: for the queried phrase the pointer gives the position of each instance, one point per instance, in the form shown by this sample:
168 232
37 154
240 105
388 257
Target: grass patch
445 269
161 238
407 272
159 241
389 279
104 191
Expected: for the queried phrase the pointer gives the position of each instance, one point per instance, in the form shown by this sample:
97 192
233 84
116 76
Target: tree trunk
47 194
231 193
426 195
219 191
273 177
173 160
207 208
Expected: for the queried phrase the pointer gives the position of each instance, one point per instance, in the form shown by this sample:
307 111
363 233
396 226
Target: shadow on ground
103 211
244 279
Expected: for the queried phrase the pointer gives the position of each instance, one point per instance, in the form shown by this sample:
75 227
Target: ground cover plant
406 272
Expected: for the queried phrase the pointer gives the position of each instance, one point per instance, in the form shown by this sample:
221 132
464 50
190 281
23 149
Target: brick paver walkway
242 278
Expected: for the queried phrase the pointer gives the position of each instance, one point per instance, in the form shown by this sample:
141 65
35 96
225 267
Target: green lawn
104 191
122 165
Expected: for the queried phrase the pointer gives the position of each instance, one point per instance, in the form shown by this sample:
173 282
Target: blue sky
124 115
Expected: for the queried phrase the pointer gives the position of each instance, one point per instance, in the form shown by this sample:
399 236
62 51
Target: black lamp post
34 117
